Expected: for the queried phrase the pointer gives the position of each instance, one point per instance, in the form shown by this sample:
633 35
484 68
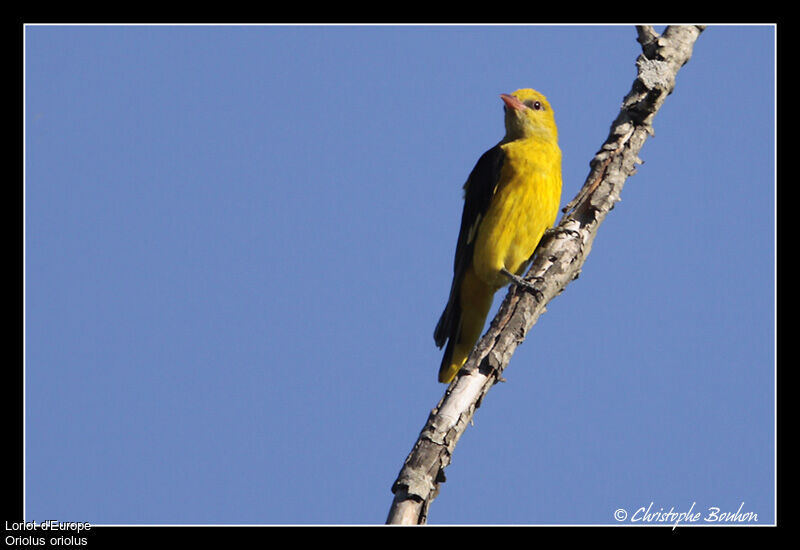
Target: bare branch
558 260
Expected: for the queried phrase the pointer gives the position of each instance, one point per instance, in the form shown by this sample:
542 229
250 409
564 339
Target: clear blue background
239 240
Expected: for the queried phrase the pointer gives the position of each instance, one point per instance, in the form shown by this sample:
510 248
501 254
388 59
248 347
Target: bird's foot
519 281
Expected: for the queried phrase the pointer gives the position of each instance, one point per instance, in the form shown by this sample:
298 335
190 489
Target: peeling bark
557 261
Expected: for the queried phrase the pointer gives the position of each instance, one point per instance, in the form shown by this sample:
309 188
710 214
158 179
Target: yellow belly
523 207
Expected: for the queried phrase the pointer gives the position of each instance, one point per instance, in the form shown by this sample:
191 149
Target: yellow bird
510 199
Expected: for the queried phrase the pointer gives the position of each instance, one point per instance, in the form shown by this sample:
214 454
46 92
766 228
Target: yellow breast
524 205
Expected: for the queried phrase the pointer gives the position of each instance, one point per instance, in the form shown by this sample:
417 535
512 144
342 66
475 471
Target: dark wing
478 193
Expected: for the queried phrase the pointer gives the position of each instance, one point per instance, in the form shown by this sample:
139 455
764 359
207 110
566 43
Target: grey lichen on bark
557 261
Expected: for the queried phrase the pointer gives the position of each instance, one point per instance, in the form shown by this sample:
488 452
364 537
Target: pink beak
512 102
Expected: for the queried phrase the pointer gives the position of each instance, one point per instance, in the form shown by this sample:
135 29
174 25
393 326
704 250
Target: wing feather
478 191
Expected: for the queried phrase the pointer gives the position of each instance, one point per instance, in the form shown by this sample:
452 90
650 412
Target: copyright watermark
653 515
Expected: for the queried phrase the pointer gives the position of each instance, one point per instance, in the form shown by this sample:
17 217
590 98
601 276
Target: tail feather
462 322
448 369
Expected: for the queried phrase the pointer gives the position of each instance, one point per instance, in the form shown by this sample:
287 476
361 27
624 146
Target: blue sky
238 240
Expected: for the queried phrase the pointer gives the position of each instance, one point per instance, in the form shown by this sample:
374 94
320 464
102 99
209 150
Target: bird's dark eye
535 105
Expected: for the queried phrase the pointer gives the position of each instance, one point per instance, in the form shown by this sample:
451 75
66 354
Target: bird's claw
519 281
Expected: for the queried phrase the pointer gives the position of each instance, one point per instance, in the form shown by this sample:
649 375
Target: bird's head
528 114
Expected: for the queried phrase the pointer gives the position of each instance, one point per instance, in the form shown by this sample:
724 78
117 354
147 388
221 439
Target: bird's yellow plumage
510 199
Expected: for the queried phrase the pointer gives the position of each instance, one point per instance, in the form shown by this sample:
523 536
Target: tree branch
557 261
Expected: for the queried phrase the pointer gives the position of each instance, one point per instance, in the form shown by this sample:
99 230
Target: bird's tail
462 323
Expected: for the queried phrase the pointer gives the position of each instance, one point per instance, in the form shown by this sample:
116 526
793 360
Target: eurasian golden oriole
510 199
